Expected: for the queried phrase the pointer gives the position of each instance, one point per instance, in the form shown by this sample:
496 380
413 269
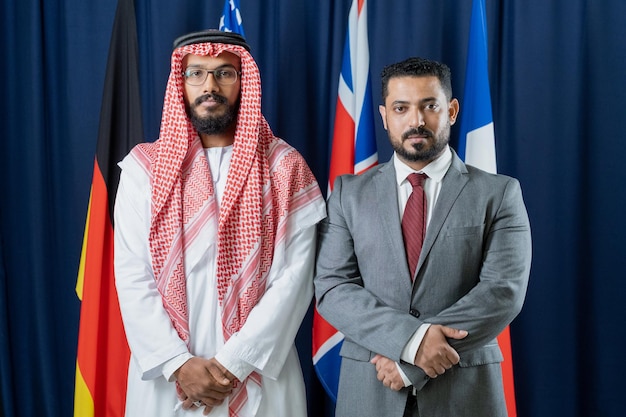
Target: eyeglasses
223 75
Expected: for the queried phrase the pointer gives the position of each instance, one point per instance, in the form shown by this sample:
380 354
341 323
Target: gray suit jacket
472 274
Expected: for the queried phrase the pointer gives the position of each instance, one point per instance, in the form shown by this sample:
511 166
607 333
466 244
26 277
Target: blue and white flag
477 147
477 144
231 18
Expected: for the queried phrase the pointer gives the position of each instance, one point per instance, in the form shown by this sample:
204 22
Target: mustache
417 131
203 98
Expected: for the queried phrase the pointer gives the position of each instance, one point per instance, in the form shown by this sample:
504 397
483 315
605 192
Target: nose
417 118
210 84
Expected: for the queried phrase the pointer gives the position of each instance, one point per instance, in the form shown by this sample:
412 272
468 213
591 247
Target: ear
383 115
453 110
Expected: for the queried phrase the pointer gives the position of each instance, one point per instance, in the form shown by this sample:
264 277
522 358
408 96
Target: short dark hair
417 67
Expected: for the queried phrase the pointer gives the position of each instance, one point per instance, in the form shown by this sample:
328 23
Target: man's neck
219 139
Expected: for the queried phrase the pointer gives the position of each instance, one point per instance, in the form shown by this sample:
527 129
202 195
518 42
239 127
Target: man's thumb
454 333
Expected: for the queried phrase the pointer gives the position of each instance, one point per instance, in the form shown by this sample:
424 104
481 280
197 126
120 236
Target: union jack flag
353 152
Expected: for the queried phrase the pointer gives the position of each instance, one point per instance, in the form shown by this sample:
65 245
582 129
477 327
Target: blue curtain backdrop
558 82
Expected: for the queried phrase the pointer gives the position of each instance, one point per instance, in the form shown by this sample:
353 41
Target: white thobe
265 343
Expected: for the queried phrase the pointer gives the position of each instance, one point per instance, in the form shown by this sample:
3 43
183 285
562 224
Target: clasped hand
205 382
434 356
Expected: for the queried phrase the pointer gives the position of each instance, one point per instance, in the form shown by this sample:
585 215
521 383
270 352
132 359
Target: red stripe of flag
103 353
354 144
477 147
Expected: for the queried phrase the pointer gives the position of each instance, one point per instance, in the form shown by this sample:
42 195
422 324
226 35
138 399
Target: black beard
211 125
421 151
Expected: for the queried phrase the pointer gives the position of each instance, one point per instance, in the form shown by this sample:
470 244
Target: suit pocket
487 354
465 231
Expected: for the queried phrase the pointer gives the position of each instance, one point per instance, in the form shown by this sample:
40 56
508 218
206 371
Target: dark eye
226 74
194 73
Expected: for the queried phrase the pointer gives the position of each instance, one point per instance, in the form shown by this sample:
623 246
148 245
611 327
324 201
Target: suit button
414 312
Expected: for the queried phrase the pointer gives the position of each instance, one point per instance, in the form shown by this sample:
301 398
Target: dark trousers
410 410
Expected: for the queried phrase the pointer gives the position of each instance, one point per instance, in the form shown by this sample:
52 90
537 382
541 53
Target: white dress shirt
436 170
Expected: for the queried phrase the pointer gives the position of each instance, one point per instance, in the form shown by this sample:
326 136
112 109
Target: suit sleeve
368 323
498 296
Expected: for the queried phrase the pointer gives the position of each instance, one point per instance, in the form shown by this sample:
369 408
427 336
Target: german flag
103 353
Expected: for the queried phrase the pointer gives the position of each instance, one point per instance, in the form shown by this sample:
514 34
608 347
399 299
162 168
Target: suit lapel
386 187
453 182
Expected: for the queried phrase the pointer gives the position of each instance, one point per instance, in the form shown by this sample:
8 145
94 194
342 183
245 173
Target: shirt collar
435 170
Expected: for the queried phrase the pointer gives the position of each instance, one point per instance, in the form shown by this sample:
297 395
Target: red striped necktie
414 221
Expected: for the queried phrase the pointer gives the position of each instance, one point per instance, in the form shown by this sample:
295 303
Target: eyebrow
429 100
422 101
202 67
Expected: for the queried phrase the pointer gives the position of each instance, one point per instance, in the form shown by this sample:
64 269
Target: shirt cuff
410 349
173 364
228 358
405 379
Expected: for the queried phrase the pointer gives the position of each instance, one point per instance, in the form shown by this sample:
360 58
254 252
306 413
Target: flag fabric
477 145
103 353
477 139
353 152
231 18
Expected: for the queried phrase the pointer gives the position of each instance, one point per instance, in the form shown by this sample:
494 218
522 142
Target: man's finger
220 373
212 401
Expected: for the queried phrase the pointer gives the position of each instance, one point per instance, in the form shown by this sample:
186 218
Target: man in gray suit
422 343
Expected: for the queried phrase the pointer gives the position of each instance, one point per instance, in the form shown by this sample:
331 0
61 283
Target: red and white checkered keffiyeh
267 181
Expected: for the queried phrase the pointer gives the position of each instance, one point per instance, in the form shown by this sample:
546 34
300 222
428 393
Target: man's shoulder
365 176
282 157
141 156
485 183
364 183
478 174
279 147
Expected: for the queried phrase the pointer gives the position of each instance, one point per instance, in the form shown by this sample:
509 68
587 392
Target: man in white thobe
215 227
